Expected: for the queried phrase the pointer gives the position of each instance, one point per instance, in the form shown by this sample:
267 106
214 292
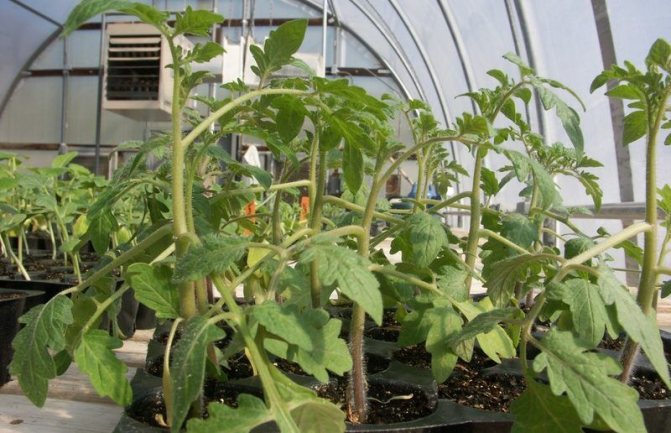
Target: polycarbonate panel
33 113
21 34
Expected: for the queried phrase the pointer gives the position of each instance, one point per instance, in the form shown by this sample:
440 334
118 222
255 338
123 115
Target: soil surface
151 408
472 386
239 367
46 269
385 333
374 364
10 296
388 403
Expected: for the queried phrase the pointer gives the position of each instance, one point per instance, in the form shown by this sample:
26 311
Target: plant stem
317 180
124 258
474 227
166 378
437 204
358 404
647 286
485 233
408 278
15 259
360 209
259 361
215 115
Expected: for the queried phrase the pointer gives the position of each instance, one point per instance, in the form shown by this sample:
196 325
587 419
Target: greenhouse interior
320 216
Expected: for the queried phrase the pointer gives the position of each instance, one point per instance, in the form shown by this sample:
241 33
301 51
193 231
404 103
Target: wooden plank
18 415
72 385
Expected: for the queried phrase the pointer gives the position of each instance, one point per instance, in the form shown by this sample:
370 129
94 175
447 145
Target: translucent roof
434 50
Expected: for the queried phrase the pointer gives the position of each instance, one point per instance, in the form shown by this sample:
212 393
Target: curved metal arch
19 75
464 59
406 93
425 59
386 35
531 58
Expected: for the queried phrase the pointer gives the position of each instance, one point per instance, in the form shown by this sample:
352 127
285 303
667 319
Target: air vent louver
137 82
133 67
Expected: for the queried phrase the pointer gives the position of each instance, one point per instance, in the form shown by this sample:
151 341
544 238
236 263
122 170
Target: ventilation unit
137 83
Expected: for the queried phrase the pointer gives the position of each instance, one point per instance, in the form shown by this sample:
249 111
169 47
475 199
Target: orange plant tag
305 208
250 211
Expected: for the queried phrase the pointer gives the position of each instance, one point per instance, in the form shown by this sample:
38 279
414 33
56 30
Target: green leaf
588 311
352 167
444 323
499 75
567 115
659 54
329 351
519 229
283 321
88 9
290 117
494 341
317 416
537 410
626 91
61 161
153 287
196 22
666 288
217 254
426 237
349 270
44 331
94 356
415 327
187 369
635 126
515 59
101 226
203 53
283 42
640 328
251 412
482 323
506 273
524 166
585 378
576 246
11 222
490 184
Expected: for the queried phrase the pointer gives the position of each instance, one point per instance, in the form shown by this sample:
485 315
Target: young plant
649 93
64 329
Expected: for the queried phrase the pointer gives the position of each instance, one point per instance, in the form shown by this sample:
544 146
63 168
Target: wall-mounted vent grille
137 83
133 67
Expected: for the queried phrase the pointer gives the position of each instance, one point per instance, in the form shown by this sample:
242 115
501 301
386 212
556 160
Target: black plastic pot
48 290
448 416
12 303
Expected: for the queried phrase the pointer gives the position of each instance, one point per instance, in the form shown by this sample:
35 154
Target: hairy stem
474 227
647 286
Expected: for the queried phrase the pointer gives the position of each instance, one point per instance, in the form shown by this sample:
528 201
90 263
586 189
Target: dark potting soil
414 356
151 408
10 296
612 344
374 364
388 403
471 385
239 367
385 333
